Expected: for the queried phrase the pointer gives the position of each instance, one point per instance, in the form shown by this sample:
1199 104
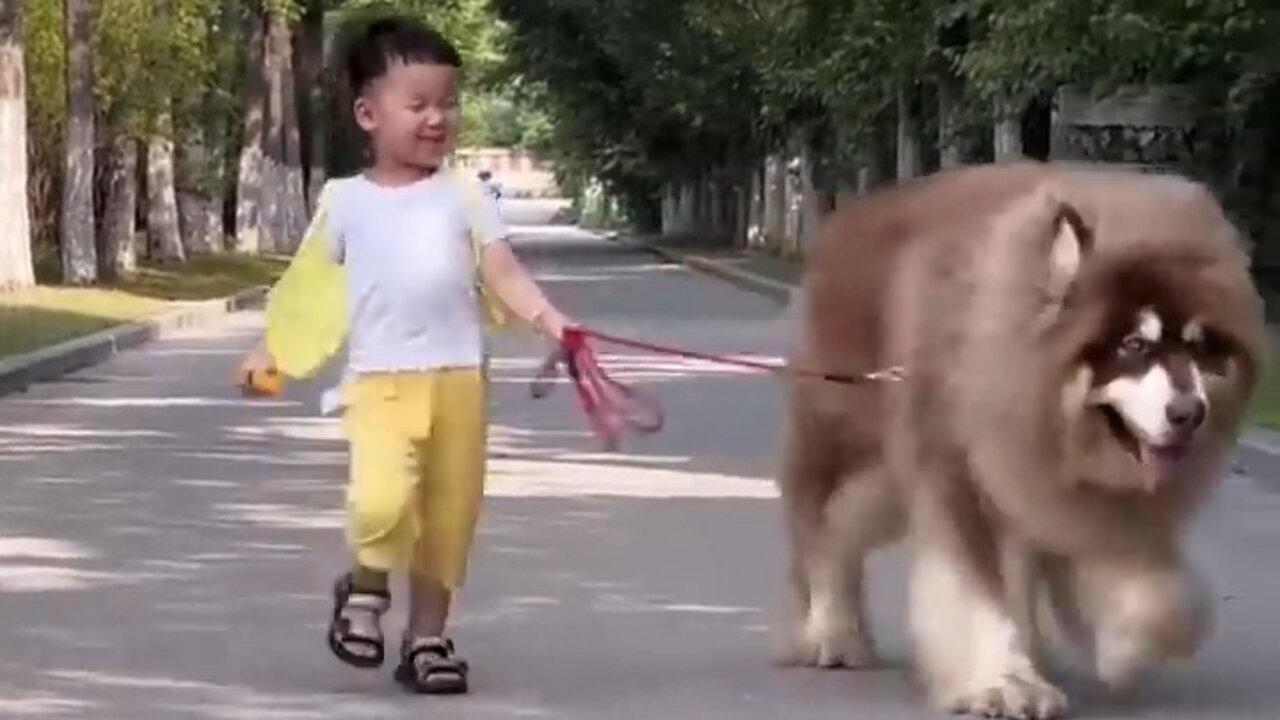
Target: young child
406 234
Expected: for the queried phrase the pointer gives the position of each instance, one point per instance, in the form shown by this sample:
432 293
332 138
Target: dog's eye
1213 352
1135 345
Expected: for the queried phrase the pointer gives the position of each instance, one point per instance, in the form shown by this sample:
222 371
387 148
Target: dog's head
1150 364
1158 349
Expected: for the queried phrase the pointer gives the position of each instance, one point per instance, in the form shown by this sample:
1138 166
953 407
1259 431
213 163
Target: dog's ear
1070 243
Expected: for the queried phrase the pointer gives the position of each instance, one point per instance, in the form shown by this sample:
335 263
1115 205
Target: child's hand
257 374
551 323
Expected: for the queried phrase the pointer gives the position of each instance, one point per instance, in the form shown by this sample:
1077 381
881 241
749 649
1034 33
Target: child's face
411 114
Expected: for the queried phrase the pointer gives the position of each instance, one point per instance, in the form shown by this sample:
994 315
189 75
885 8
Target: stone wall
1158 129
520 173
1150 128
1169 129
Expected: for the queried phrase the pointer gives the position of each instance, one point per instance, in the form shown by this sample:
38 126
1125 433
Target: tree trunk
164 231
1007 136
795 198
79 246
192 187
729 203
909 145
812 201
250 180
283 194
775 201
162 204
715 207
295 200
702 206
216 186
273 176
669 207
876 159
755 208
729 208
743 194
688 213
218 125
16 267
311 59
951 153
120 227
201 180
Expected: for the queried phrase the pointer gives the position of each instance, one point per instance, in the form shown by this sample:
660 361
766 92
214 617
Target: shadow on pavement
166 547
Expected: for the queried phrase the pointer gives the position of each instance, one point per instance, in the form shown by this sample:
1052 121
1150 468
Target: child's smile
411 114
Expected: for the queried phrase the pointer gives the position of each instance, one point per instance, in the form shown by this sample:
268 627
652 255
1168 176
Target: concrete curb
19 372
1257 439
1262 440
776 290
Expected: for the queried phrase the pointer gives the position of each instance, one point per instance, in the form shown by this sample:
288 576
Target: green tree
639 92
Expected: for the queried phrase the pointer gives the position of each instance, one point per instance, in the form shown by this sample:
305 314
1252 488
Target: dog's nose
1185 412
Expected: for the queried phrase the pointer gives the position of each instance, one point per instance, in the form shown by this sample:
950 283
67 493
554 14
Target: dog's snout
1185 412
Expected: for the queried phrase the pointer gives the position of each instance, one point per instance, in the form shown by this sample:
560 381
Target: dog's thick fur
990 285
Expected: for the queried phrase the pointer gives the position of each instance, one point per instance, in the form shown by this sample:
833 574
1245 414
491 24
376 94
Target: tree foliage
173 76
641 90
640 95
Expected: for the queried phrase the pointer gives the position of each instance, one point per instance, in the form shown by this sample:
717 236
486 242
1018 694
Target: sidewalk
50 330
20 371
755 270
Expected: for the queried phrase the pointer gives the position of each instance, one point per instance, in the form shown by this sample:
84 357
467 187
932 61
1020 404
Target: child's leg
429 602
371 579
451 490
380 524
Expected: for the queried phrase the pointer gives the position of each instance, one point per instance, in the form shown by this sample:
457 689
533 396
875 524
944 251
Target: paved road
165 546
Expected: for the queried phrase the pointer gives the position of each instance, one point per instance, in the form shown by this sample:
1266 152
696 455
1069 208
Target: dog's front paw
834 647
1119 662
1013 696
824 645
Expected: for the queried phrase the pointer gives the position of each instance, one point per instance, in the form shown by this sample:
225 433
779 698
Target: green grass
49 314
203 278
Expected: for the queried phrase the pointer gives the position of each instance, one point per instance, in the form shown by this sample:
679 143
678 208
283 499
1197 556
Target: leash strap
612 408
892 374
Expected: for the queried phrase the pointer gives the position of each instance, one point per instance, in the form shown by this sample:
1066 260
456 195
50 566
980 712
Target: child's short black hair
394 39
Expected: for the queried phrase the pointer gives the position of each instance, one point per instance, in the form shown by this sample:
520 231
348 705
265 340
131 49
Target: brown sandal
343 640
431 666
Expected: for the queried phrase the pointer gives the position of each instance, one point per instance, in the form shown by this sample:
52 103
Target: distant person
491 186
403 241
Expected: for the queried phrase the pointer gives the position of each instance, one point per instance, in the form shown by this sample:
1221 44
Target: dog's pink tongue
1158 465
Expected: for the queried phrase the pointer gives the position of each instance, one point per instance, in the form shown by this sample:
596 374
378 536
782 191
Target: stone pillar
1006 139
755 213
909 145
775 202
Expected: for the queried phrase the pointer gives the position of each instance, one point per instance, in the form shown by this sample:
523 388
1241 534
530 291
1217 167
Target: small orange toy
261 383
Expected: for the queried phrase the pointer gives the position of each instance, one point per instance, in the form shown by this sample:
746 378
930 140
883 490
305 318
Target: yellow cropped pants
417 445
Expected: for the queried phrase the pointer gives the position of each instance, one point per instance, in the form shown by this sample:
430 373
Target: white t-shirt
411 271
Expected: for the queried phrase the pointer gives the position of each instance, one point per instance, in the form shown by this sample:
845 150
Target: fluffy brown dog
1080 348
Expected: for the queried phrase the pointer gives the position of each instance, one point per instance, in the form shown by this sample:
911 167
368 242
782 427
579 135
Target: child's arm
502 271
305 311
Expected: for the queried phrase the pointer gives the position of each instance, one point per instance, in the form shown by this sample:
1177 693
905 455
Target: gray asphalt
166 546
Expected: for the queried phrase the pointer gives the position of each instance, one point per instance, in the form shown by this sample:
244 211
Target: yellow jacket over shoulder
306 311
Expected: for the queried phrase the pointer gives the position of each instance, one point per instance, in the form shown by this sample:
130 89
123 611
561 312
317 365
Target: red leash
612 407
